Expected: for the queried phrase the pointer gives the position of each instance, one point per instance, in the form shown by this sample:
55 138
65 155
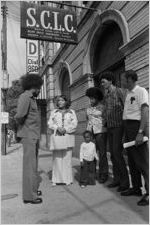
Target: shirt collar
30 94
111 89
134 89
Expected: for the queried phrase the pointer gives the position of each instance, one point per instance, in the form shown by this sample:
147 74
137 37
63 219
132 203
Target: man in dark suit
28 120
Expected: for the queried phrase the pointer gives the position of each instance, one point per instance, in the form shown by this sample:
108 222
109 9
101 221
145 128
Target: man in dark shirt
28 120
114 104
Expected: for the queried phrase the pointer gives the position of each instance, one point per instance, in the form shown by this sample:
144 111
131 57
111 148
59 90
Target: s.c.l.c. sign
49 24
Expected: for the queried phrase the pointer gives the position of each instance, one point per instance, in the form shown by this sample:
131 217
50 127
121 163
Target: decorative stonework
86 78
101 19
64 65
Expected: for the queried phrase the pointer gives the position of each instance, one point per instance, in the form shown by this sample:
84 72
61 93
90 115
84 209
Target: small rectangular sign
48 24
32 57
4 117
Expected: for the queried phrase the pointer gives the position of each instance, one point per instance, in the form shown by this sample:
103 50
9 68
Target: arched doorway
105 54
65 83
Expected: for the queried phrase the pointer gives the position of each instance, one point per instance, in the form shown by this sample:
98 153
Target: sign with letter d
32 57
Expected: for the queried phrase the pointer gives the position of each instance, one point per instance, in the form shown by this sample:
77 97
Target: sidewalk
62 204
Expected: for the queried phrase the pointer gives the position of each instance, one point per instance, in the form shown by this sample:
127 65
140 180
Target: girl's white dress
62 158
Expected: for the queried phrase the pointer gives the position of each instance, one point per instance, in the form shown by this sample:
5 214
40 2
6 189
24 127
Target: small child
87 156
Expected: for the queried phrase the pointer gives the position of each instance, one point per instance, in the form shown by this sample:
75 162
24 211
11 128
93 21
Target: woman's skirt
62 166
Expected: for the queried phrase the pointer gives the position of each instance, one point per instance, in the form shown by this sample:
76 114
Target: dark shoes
35 201
113 184
39 193
103 179
144 200
123 188
132 191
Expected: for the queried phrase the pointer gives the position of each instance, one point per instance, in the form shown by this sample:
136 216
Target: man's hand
139 139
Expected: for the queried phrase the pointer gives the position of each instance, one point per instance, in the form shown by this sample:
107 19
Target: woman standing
97 125
63 123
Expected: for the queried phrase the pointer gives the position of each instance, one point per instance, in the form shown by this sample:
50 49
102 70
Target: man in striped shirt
114 103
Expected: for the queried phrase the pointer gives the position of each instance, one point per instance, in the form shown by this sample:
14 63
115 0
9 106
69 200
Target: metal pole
5 75
81 7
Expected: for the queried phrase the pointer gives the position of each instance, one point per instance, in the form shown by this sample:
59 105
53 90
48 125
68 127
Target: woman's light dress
62 159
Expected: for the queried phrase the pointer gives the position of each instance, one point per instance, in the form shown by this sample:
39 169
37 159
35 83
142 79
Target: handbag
58 142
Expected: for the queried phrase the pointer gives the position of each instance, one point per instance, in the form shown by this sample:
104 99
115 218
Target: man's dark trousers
101 145
120 173
138 157
30 164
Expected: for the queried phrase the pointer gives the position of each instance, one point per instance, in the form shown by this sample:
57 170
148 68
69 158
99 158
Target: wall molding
140 40
88 77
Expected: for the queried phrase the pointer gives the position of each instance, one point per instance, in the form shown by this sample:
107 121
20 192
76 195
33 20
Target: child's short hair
87 132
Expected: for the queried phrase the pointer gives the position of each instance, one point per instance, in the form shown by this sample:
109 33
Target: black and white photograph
74 112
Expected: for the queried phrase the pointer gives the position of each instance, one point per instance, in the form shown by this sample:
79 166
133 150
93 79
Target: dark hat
94 92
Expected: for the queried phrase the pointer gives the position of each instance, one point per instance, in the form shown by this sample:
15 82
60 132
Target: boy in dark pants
87 156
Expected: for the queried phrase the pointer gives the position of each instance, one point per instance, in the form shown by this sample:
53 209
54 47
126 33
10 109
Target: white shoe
83 186
68 184
53 184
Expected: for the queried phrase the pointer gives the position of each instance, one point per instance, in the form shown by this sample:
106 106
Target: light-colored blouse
66 120
95 119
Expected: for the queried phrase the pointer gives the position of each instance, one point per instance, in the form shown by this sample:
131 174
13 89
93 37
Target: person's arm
22 108
95 154
71 127
143 104
143 123
88 123
121 95
81 154
52 123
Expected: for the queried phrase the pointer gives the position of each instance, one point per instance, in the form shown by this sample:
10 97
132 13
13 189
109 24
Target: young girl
97 125
63 123
87 156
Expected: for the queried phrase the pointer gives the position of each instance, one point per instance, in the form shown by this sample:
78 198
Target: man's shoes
35 201
123 188
113 184
39 193
103 179
144 200
132 191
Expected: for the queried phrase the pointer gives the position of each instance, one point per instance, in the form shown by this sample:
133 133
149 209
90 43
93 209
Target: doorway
105 54
65 83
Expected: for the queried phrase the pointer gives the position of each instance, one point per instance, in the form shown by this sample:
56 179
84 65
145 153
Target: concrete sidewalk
62 204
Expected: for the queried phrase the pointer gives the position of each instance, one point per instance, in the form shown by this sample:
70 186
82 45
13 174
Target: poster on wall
48 24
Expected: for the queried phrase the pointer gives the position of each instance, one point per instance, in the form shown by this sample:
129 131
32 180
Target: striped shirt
114 103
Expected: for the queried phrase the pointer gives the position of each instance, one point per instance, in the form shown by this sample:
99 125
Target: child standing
96 123
87 156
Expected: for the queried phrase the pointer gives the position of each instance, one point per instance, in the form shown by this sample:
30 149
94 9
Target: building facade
114 36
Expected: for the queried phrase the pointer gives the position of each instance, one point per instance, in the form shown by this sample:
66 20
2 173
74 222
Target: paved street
61 204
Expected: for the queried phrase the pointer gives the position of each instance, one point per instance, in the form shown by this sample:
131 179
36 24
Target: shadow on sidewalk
130 201
13 148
